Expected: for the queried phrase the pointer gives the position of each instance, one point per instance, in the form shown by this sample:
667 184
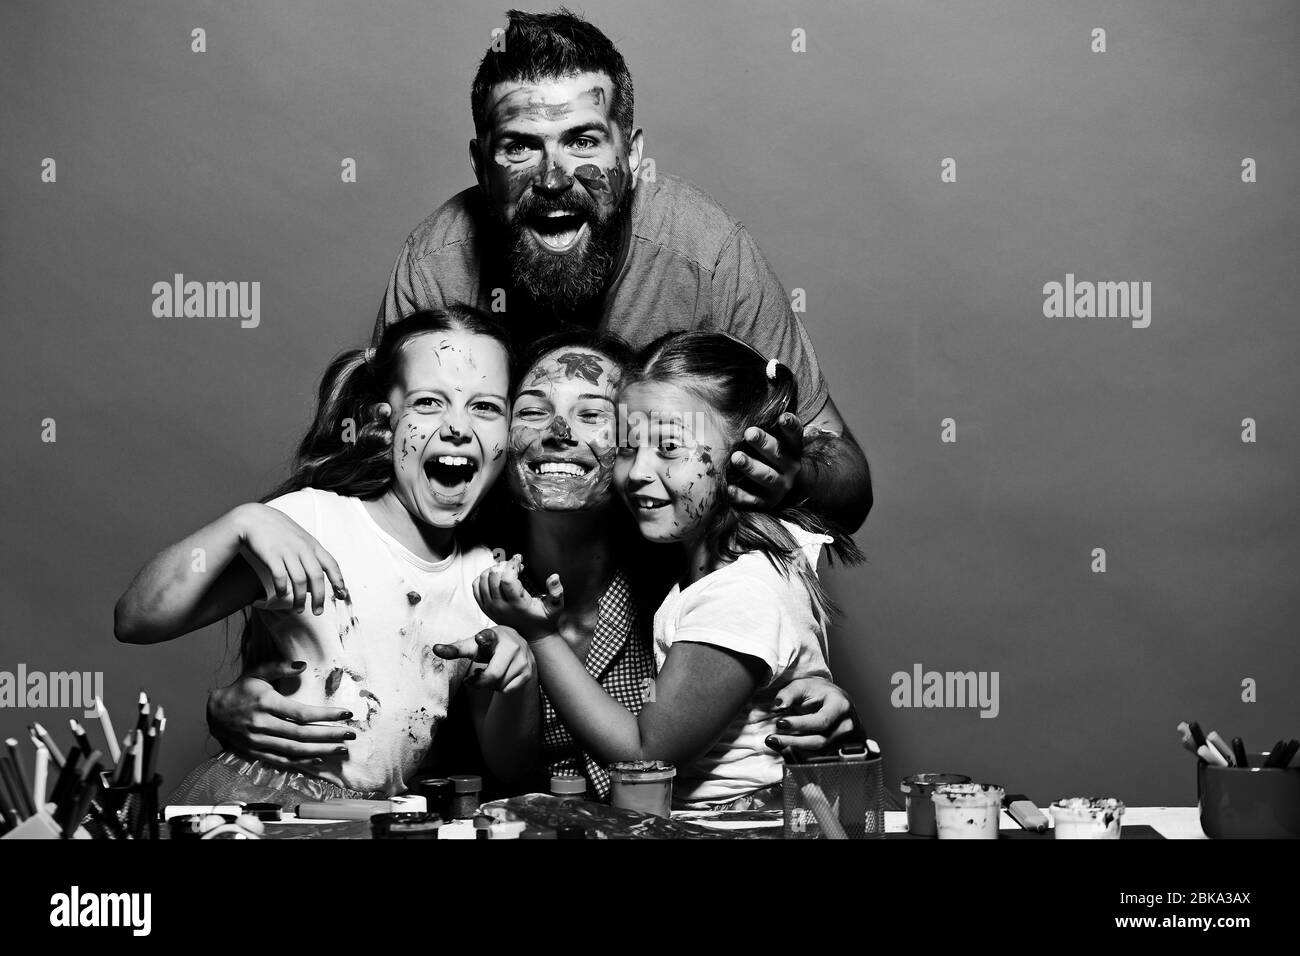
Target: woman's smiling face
449 423
671 471
562 431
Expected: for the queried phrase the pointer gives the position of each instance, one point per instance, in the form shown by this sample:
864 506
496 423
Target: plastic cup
920 808
643 785
1087 818
968 811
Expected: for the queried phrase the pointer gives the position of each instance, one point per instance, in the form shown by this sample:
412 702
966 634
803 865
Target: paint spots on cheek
497 452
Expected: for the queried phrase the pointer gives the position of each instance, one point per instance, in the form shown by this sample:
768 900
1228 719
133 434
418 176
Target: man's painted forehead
518 102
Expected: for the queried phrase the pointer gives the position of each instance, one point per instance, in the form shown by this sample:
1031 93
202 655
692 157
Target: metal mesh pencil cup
834 800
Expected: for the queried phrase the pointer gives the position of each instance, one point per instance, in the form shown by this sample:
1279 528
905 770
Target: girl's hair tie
370 355
771 369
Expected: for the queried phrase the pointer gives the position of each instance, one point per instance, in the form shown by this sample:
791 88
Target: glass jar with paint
967 811
1087 818
405 826
438 794
643 785
468 789
920 808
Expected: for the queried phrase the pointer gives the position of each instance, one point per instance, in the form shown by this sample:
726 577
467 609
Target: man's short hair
546 46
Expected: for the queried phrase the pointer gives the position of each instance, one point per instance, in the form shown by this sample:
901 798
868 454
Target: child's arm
503 699
198 580
699 691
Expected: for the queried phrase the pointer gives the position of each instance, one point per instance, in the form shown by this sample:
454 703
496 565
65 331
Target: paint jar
405 826
438 794
643 785
1087 818
920 808
568 785
467 789
507 830
967 811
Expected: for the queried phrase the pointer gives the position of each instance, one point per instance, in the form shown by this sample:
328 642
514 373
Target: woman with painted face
746 594
407 439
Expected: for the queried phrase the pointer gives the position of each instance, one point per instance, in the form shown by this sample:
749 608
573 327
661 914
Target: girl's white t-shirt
375 657
749 607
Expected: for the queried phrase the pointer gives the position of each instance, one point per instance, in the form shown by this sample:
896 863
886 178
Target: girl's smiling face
449 423
562 431
670 471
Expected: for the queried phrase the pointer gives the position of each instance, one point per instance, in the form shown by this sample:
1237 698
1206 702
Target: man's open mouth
451 472
558 231
560 469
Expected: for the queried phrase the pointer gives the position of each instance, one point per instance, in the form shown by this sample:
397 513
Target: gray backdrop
925 301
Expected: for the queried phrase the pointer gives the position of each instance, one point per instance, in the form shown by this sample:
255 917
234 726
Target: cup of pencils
109 793
1241 795
834 795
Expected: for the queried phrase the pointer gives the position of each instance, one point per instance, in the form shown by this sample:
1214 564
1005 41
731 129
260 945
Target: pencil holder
125 812
1249 803
835 800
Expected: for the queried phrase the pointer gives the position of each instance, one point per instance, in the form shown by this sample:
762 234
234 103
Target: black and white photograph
764 428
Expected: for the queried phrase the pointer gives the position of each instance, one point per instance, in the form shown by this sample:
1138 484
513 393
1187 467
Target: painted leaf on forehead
582 364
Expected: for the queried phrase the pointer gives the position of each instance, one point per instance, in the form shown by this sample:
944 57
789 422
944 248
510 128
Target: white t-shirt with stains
751 608
375 657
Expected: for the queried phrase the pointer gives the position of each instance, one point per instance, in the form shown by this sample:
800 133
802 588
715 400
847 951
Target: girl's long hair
348 448
731 378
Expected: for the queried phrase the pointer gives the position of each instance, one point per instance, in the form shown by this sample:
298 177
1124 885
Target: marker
1024 812
1239 752
1280 755
79 732
123 760
1211 756
1215 741
67 776
106 722
55 753
7 809
1186 734
87 787
1199 738
142 722
40 784
1290 752
137 758
16 758
14 794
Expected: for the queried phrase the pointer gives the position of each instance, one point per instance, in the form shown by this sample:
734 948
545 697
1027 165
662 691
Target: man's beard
564 281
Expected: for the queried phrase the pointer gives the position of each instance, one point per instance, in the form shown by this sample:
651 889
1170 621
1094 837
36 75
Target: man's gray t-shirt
688 265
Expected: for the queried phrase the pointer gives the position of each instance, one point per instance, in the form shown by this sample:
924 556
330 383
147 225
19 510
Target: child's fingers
298 577
516 680
334 573
779 742
466 650
315 581
494 674
494 584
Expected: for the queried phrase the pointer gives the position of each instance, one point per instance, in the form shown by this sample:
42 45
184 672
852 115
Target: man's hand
771 468
502 660
503 597
812 713
252 718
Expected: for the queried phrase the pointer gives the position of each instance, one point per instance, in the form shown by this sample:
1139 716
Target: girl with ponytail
407 440
748 615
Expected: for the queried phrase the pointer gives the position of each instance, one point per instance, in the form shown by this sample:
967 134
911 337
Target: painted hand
771 468
503 597
252 718
502 660
811 714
